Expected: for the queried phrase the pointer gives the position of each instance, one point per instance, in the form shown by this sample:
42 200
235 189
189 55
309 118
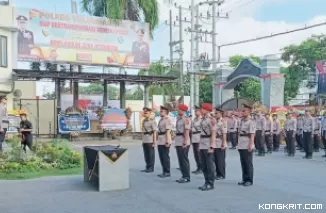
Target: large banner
114 119
14 123
70 38
73 123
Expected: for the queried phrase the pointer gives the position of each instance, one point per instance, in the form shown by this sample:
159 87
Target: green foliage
46 155
137 94
205 88
124 9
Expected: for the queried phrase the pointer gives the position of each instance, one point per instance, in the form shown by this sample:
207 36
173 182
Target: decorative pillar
105 93
75 92
272 82
222 93
122 95
146 95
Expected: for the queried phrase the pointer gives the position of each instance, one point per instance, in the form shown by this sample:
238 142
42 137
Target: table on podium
107 166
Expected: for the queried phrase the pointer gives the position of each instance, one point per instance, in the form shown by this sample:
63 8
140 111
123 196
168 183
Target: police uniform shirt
141 55
149 126
232 125
299 126
269 126
195 128
4 120
261 123
26 125
24 43
221 128
164 124
208 125
308 124
247 126
276 127
183 123
317 130
323 125
290 125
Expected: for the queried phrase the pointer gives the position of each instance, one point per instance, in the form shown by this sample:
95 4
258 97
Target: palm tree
124 10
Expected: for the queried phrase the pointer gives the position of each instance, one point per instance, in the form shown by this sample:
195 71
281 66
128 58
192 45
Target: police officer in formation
308 129
195 137
149 128
323 132
182 143
290 126
207 145
164 141
276 133
299 132
260 133
232 130
246 146
219 151
269 133
317 133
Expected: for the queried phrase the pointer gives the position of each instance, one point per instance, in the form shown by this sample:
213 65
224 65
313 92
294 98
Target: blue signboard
73 123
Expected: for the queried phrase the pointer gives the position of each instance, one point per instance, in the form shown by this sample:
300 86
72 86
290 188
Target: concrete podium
107 167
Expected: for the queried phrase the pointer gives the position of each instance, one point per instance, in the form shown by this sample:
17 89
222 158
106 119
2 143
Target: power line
242 5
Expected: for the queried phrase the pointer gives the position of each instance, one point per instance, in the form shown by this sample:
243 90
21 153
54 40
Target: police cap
247 106
164 107
21 18
147 109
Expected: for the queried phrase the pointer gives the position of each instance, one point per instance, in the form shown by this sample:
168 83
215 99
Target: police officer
269 133
219 151
308 128
207 145
164 140
276 133
26 129
299 132
149 128
140 48
25 37
289 133
246 145
317 133
232 130
323 135
182 143
195 137
4 121
260 133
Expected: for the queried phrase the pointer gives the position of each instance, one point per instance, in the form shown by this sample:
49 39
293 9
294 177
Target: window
3 51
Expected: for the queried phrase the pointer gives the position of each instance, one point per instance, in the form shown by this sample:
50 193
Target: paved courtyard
278 180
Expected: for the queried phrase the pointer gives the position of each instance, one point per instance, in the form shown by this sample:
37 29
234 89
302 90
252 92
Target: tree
137 94
124 10
249 88
49 95
205 90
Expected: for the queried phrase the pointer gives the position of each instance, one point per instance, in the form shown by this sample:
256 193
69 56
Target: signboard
114 119
73 123
14 123
71 38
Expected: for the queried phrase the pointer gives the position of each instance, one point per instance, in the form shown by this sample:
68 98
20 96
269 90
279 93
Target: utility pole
192 79
75 68
197 77
181 52
214 52
171 39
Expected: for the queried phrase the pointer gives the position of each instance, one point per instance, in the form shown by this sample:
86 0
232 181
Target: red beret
207 107
182 107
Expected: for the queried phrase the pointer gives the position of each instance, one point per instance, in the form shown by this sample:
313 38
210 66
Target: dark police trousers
233 138
299 139
2 138
307 143
149 155
290 142
276 141
246 165
269 141
195 148
184 165
208 166
324 140
316 142
164 154
259 141
219 157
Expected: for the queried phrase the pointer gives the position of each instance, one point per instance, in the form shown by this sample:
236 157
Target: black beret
246 106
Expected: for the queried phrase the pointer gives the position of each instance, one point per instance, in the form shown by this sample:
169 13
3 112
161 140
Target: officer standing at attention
268 133
289 133
260 133
195 138
207 145
246 146
317 133
232 130
25 38
299 132
308 129
164 141
219 151
276 133
323 134
182 143
149 140
4 121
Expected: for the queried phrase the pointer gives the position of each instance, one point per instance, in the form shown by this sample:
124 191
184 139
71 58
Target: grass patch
40 173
